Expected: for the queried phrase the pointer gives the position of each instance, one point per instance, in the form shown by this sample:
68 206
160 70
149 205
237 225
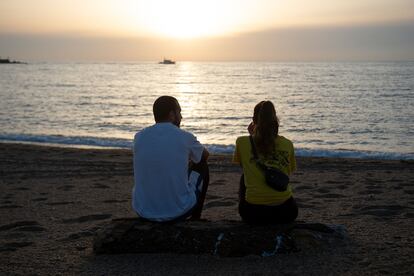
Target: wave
342 153
68 140
86 141
306 152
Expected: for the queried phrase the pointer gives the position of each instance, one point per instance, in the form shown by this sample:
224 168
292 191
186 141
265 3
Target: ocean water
348 109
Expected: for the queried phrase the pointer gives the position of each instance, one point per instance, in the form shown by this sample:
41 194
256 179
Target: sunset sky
214 30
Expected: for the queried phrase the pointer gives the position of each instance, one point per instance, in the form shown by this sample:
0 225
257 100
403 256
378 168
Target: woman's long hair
267 127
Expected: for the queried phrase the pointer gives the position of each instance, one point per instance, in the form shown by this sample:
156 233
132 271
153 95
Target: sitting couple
171 172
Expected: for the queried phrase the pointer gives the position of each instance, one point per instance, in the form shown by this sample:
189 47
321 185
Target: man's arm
205 155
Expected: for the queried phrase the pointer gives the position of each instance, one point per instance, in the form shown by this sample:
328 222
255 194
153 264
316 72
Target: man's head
167 109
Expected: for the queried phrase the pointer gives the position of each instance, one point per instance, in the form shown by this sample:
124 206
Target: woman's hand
251 128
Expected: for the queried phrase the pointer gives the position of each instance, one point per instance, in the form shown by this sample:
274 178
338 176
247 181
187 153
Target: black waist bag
275 179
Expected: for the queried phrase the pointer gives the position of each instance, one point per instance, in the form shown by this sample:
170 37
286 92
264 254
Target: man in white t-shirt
170 167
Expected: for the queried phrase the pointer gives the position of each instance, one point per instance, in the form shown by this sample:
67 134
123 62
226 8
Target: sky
201 30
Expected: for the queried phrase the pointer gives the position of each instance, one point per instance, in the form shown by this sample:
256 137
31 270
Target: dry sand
52 200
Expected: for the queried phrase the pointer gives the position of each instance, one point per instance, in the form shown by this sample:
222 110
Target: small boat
167 61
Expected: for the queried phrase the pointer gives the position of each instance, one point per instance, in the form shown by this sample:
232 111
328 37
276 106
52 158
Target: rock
222 238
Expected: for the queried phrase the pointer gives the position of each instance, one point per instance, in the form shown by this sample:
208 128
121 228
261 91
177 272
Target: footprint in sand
372 187
33 228
115 201
66 188
322 190
13 246
22 189
10 206
406 184
101 186
371 191
304 205
40 199
60 203
218 182
19 224
382 211
395 180
14 235
388 207
88 218
81 234
218 203
343 187
209 197
375 192
333 182
330 195
303 187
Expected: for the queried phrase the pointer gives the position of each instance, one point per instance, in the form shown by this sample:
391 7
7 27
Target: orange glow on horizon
189 18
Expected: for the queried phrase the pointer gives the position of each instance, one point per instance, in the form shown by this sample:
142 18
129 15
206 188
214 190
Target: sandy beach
54 199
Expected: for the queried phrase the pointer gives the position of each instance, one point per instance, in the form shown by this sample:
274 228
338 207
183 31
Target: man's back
161 155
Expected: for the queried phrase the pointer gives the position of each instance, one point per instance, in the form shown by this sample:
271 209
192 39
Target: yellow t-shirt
257 191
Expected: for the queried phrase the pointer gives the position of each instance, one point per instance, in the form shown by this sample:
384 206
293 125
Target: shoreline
300 153
54 199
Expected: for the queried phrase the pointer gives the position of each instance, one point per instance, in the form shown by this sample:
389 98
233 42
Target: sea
328 109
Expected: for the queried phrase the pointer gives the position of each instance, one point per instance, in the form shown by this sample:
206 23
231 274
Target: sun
186 18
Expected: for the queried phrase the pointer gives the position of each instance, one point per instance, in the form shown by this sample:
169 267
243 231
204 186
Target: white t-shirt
162 190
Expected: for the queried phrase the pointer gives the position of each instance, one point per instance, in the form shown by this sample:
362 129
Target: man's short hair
163 106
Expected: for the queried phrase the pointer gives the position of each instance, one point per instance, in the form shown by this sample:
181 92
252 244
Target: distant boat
167 61
8 61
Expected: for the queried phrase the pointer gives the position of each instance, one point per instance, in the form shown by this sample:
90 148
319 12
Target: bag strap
253 147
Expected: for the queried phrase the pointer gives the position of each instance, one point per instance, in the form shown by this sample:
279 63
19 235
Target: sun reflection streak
186 89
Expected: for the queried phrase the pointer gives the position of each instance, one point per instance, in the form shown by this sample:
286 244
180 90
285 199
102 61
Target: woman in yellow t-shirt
259 203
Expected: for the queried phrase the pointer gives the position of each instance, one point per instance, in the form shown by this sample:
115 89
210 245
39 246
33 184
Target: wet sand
52 201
